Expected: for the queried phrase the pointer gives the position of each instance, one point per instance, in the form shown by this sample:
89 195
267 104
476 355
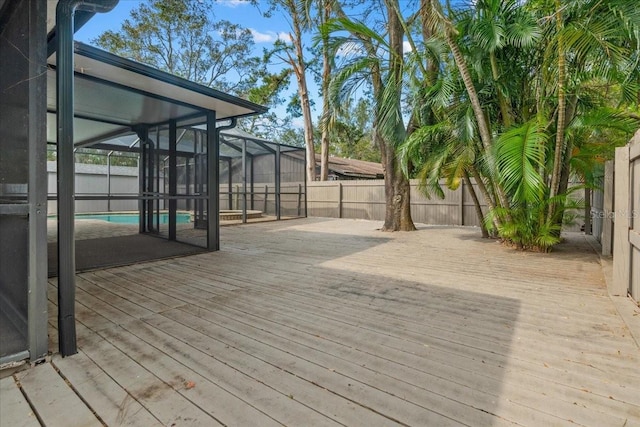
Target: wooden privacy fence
626 232
365 200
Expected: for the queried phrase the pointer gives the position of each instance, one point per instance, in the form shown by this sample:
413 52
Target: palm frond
520 154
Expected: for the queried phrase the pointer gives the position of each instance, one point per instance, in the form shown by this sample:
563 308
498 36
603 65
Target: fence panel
365 200
634 233
626 240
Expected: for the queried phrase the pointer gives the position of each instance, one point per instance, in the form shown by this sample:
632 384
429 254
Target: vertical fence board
621 247
365 200
607 208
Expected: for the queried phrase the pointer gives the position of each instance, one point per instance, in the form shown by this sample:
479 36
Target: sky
265 31
236 11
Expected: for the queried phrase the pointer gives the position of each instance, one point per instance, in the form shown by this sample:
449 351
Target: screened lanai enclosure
72 97
259 180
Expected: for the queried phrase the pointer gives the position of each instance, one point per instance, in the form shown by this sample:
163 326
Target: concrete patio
330 322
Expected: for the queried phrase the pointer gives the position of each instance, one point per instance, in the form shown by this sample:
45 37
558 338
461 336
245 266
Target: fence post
340 200
461 210
237 198
587 211
621 245
299 198
266 194
607 210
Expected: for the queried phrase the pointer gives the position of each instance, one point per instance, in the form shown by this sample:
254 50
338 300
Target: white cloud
406 47
285 37
258 37
269 36
233 3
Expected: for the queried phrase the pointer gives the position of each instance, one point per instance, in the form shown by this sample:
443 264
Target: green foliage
351 131
90 156
183 38
513 52
529 228
520 155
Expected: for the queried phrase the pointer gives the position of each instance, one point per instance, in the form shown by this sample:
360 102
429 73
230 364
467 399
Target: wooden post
607 210
340 200
587 211
621 245
299 198
461 205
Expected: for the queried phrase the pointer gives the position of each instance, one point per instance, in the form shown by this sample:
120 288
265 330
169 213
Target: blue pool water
181 218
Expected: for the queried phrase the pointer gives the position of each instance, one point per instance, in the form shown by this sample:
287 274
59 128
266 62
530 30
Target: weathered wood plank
55 402
392 407
14 408
111 402
435 327
161 399
204 394
621 246
244 375
455 321
607 220
411 363
460 383
473 309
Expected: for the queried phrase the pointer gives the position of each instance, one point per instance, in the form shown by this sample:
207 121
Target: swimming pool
134 218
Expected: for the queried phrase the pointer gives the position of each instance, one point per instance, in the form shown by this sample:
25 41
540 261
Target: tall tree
297 13
178 36
383 72
325 11
269 93
533 73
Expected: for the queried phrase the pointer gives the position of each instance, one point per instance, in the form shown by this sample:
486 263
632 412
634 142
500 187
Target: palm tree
384 75
525 97
586 41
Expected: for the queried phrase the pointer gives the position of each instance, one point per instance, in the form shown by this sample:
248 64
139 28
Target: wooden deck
331 322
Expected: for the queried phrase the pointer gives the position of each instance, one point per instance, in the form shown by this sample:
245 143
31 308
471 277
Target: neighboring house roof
351 168
347 168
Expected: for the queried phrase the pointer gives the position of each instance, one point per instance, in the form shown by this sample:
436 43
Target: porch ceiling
113 94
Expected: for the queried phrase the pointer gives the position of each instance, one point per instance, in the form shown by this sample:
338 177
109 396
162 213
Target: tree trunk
483 127
559 148
476 204
565 172
502 101
397 189
326 78
396 185
299 68
486 195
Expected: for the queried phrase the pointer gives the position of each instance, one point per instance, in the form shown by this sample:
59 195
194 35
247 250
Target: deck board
331 322
14 408
54 401
106 397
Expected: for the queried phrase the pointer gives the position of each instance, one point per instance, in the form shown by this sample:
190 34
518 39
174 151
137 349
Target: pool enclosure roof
114 94
231 143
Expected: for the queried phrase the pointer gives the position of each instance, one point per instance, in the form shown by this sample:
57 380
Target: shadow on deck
329 322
